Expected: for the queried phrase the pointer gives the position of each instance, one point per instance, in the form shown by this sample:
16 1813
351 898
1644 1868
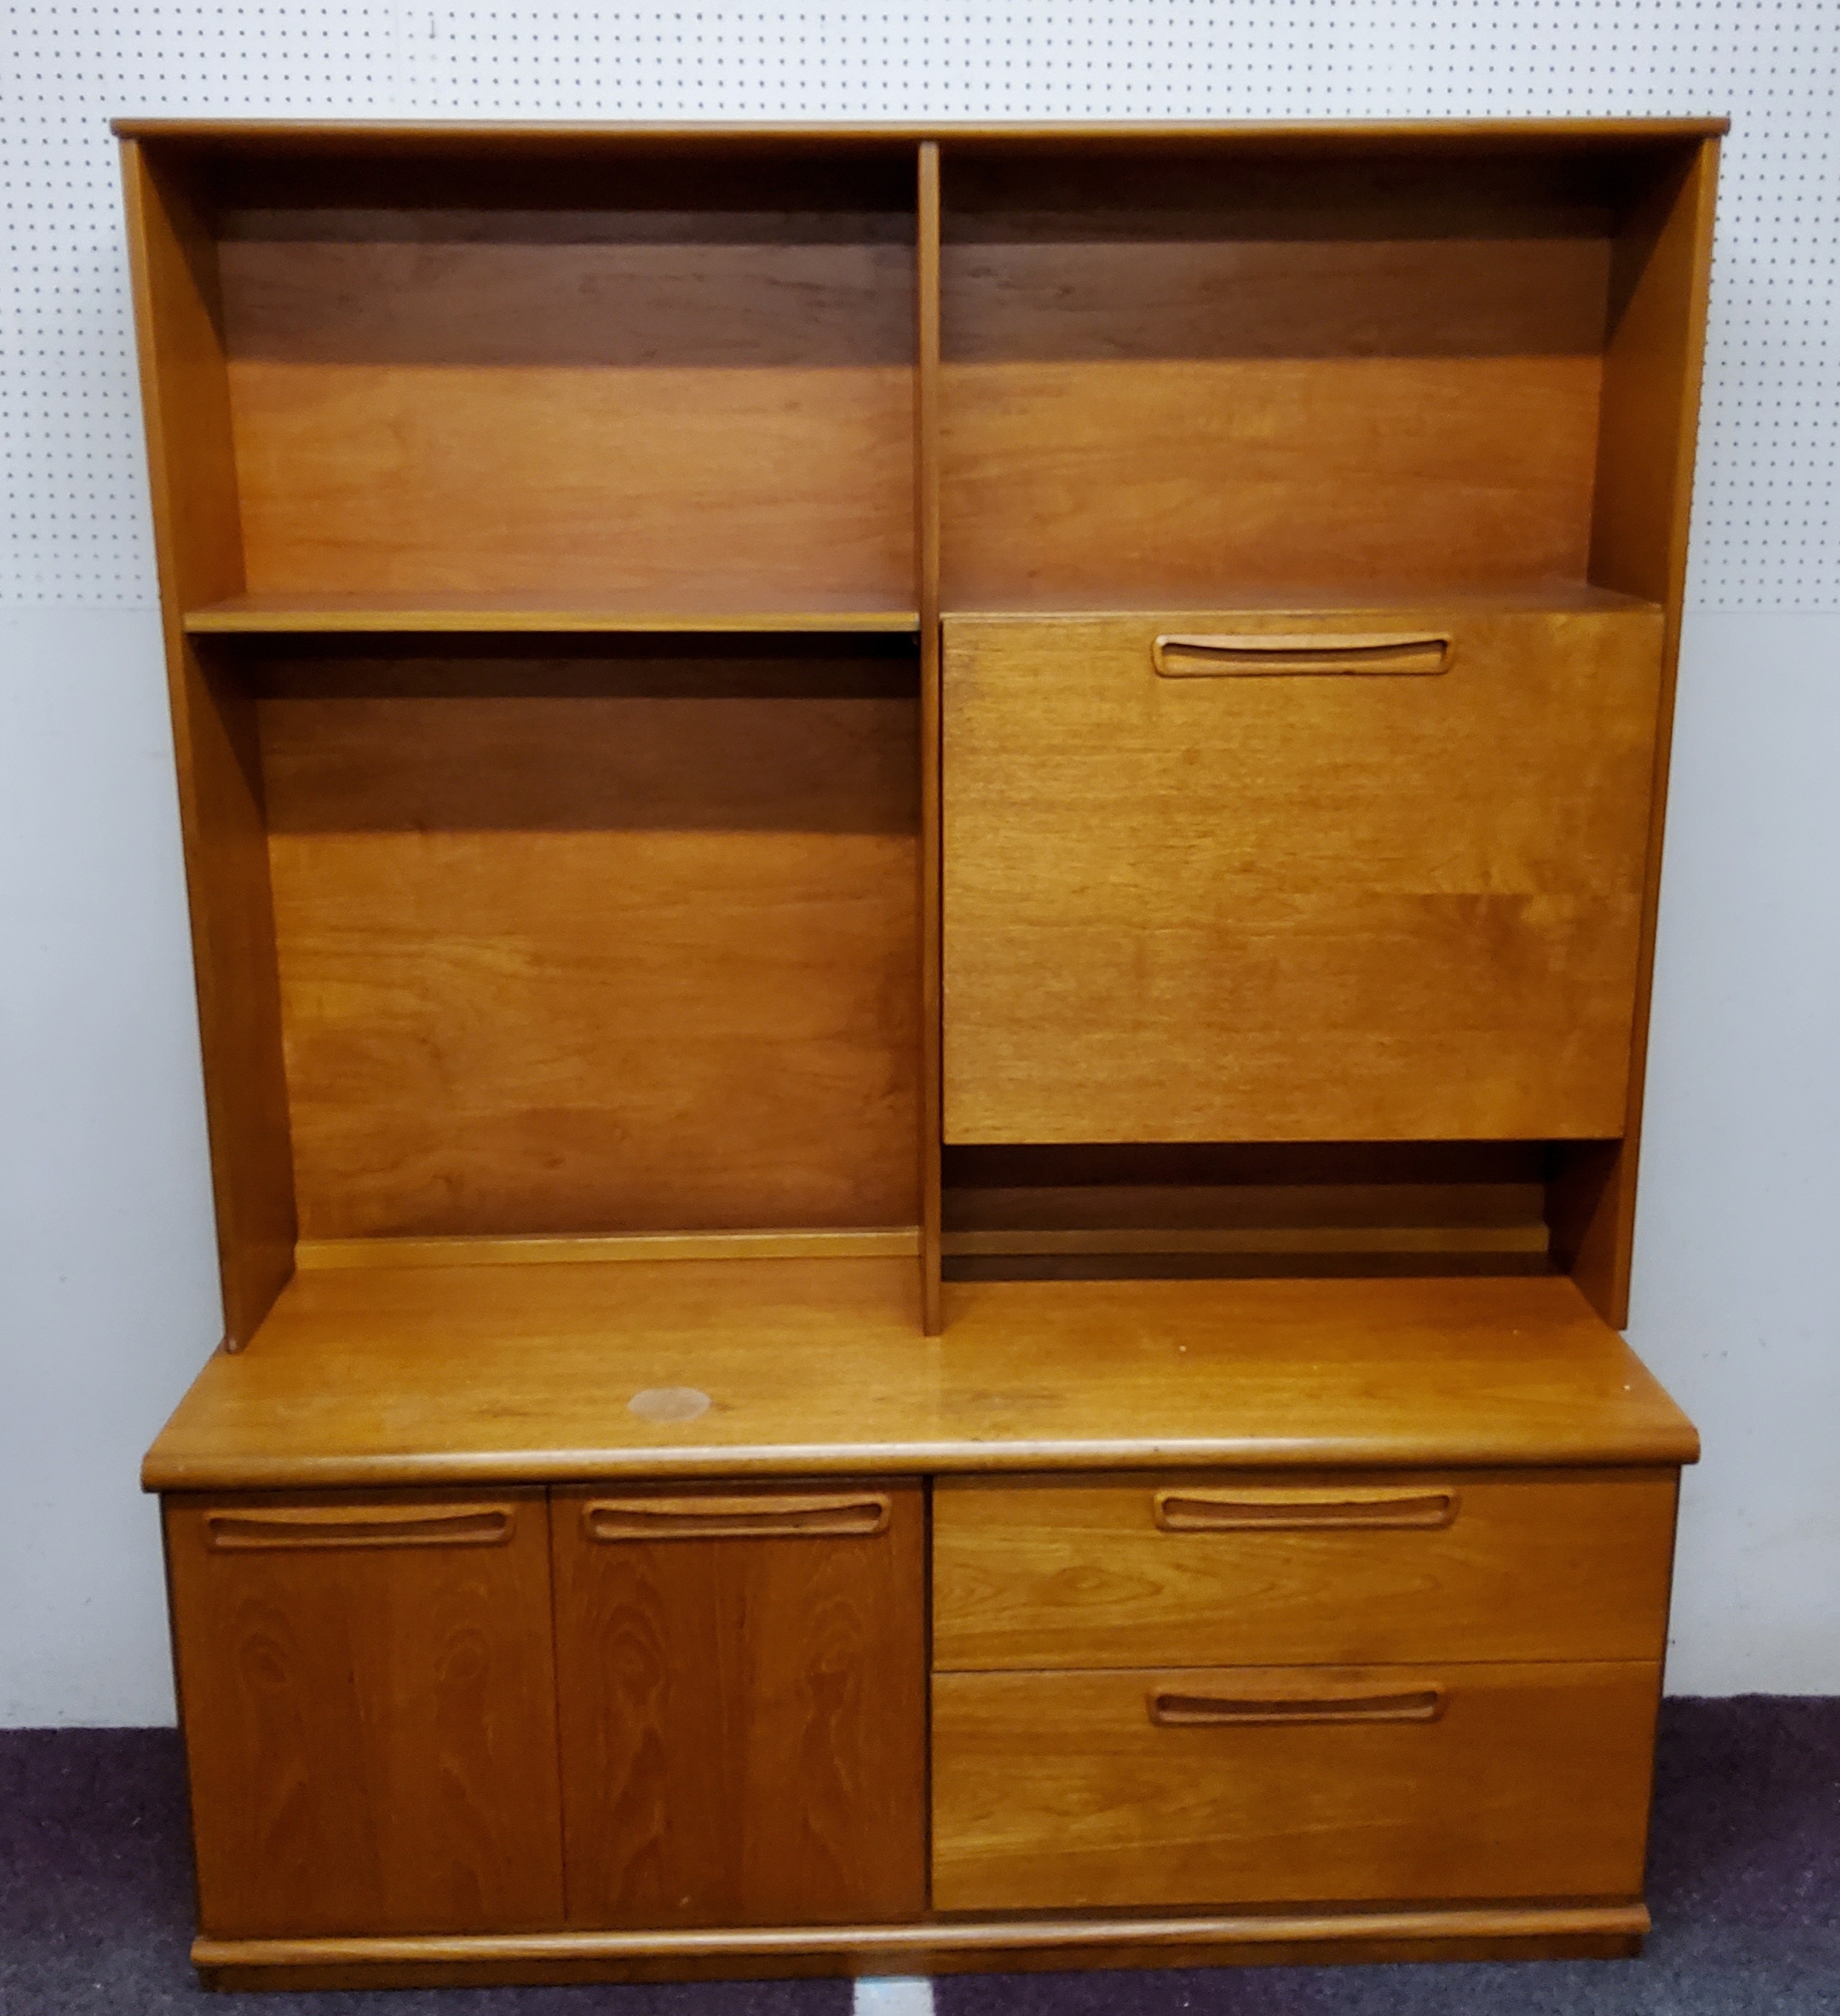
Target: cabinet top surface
411 134
375 1377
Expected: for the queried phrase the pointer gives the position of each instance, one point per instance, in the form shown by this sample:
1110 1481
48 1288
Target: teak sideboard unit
923 864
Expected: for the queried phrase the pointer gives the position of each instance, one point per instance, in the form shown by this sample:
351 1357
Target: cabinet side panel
198 539
369 1692
927 511
743 1718
1661 274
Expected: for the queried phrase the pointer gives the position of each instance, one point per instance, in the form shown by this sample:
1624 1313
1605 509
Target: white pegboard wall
72 509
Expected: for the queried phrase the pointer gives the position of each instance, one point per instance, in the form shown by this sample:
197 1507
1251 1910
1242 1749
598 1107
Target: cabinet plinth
923 866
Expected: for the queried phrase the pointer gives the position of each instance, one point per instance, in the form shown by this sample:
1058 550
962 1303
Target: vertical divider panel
926 465
1654 350
198 538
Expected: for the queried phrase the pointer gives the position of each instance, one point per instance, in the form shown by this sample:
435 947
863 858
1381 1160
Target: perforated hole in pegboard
72 509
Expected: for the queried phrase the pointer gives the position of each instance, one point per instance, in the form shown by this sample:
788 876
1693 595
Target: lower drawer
1249 1785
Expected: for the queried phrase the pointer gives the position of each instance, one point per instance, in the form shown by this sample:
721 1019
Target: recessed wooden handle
1175 1710
1199 1511
357 1526
838 1515
1413 655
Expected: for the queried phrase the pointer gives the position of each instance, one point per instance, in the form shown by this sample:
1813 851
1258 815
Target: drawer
1190 1787
1387 888
1208 1569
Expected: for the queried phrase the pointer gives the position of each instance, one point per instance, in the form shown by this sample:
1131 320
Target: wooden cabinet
368 1690
923 865
743 1704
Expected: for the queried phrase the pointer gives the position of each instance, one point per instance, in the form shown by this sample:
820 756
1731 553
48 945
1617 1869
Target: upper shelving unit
611 810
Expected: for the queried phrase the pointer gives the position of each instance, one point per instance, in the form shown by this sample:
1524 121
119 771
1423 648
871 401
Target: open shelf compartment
629 377
1307 361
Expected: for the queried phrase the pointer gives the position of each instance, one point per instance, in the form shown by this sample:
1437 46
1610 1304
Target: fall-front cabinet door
743 1689
1281 876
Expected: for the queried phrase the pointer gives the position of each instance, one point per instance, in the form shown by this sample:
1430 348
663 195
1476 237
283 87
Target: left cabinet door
368 1690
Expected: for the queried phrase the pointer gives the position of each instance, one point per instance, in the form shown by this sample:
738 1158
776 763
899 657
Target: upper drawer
1210 1569
1269 877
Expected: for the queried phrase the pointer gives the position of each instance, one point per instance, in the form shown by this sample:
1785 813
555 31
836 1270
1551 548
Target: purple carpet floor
1745 1884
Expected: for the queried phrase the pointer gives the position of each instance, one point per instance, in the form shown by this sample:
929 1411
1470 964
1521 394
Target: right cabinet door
743 1684
1276 876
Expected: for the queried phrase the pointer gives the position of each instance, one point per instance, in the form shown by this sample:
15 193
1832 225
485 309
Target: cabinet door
1274 877
367 1685
742 1704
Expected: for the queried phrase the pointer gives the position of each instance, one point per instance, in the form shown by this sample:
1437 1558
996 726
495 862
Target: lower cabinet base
1605 1931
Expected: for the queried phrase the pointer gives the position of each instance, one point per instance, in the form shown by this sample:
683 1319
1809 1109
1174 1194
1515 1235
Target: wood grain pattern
1187 409
427 1373
623 419
1443 945
1660 282
198 540
1057 1792
743 1720
370 1727
637 959
1080 1572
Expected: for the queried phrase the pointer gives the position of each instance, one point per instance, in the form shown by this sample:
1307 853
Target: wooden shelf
327 615
375 1376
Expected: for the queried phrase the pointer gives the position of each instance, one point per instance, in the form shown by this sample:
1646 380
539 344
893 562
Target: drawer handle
356 1526
1174 1710
1298 1511
841 1515
1416 655
1216 1711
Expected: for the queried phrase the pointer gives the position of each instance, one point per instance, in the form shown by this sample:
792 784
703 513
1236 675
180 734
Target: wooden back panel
1168 377
616 402
598 943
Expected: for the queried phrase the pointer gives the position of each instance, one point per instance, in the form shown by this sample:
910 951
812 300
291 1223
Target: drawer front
1387 887
1197 1787
1214 1569
368 1690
